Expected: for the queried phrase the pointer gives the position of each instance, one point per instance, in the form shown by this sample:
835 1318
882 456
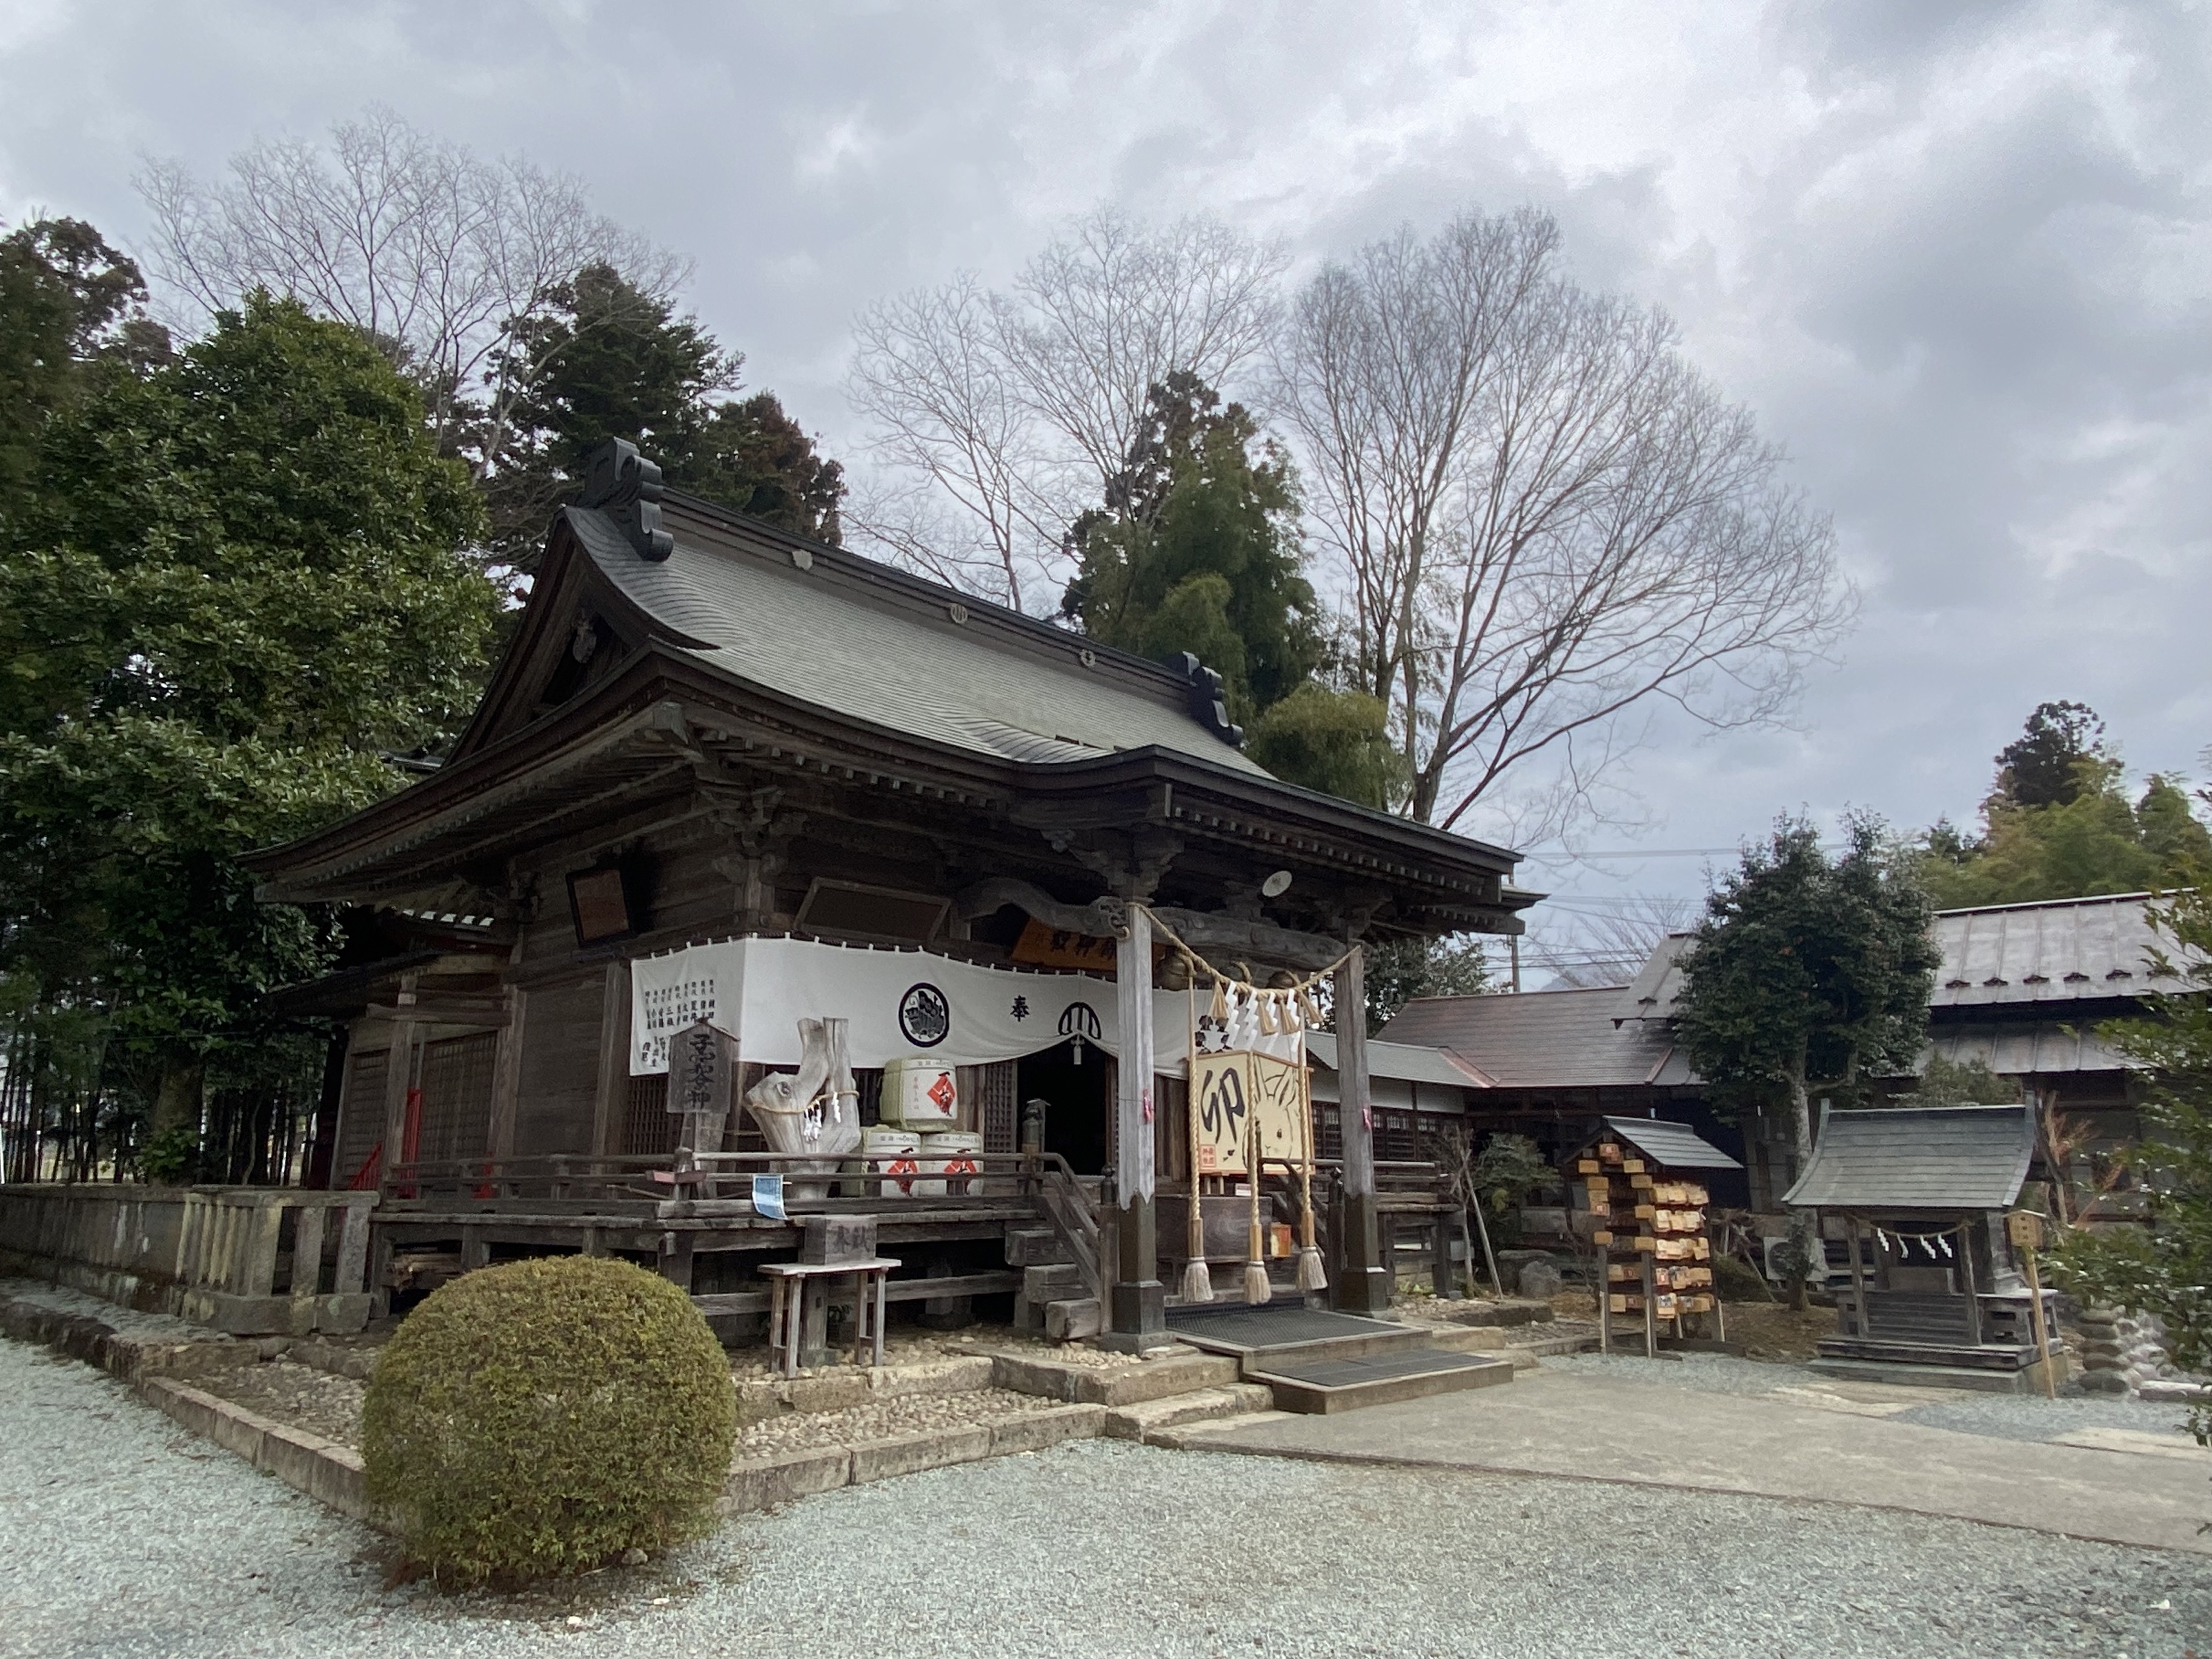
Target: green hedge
1734 1282
544 1417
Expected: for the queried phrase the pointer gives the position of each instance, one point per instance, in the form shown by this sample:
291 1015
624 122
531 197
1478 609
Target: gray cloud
1956 256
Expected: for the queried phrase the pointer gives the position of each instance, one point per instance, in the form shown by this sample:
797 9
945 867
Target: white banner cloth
901 1003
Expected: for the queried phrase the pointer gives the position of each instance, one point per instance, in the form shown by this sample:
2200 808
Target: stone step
1151 1417
1193 1436
1383 1379
1034 1247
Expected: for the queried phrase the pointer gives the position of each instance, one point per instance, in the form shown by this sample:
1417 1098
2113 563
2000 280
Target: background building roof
2000 955
1924 1157
2066 951
1403 1062
1544 1040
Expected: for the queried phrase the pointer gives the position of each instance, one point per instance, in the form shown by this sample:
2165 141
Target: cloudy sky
1956 256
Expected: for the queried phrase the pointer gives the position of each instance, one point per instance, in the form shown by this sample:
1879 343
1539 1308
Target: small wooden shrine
1637 1181
1920 1195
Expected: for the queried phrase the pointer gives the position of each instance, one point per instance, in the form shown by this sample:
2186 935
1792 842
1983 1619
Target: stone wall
2124 1353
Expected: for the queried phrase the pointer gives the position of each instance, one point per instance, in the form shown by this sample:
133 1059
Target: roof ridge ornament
625 486
1208 705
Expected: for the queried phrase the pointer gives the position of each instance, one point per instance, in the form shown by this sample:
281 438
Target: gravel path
881 1419
120 1535
2001 1416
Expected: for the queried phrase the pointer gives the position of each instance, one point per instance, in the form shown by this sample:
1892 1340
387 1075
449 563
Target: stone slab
1580 1427
1029 1431
763 1482
909 1454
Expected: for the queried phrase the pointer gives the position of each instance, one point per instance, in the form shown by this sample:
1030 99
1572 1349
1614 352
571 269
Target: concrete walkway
1843 1450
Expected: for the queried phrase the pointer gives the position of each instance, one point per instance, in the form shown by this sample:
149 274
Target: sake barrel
953 1155
892 1150
921 1094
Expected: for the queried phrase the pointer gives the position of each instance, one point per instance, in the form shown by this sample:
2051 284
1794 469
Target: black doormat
1377 1367
1271 1325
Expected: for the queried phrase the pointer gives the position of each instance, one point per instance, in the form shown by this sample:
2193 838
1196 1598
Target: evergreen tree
2058 823
2167 1268
612 361
1196 550
70 306
234 581
1807 969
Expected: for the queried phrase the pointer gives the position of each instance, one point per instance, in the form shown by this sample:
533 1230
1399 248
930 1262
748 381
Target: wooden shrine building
1921 1193
725 772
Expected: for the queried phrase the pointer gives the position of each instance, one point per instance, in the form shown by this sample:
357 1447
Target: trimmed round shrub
1736 1281
544 1417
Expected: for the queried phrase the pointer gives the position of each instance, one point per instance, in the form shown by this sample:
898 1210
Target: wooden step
1036 1246
1378 1378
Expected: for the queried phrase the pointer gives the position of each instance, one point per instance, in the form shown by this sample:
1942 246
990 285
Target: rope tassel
1257 1290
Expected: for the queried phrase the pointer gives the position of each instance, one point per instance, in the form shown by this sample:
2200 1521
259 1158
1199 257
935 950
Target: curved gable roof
843 633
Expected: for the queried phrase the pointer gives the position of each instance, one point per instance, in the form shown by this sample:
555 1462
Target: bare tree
1543 518
1012 409
438 255
1609 945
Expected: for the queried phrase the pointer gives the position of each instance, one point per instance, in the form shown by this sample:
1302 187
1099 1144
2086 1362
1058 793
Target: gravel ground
911 1414
299 1394
120 1535
2001 1416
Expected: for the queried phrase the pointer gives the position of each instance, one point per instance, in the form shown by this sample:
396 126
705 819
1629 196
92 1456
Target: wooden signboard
1041 946
1230 1091
699 1070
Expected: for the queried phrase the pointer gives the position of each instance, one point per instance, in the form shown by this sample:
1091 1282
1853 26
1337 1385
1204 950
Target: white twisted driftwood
813 1114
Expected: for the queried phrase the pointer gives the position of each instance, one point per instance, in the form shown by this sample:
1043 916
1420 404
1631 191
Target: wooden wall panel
457 1096
361 1115
558 1095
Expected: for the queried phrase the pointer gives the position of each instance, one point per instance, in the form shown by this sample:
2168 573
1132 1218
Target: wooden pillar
398 1078
507 1078
1970 1278
1137 1314
613 1089
1364 1286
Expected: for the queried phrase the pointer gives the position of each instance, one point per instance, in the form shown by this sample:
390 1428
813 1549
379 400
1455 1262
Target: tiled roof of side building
2082 950
845 633
1544 1039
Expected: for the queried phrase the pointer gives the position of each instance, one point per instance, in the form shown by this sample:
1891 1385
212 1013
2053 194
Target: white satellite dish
1276 885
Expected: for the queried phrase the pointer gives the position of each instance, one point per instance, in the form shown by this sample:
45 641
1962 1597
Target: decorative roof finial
626 486
1208 706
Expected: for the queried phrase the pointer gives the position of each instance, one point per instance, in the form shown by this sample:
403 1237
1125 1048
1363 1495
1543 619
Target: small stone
2162 1388
575 1623
632 1556
1540 1279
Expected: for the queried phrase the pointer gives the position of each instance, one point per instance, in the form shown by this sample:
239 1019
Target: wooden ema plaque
1653 1259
